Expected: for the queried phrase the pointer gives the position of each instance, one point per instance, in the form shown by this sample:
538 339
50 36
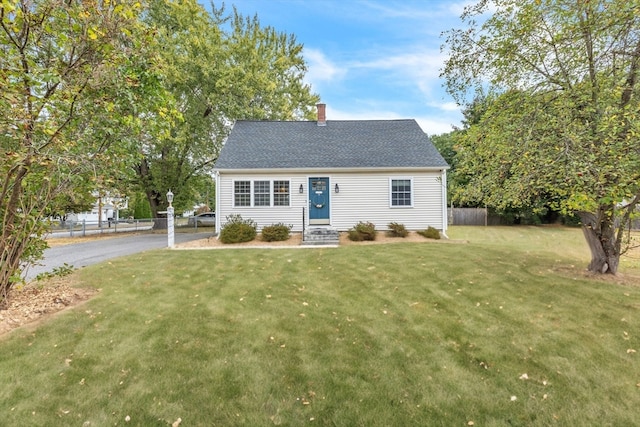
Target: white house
331 173
105 207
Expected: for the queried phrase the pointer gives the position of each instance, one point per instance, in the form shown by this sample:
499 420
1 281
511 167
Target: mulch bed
34 301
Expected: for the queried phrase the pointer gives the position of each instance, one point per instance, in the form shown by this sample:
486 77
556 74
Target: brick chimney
322 114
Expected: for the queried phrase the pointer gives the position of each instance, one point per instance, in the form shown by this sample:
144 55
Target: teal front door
319 201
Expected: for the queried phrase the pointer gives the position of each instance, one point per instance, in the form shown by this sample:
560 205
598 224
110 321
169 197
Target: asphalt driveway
100 250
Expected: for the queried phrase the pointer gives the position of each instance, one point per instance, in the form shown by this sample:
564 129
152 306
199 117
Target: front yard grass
503 330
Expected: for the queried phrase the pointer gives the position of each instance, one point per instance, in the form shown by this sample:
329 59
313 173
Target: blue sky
371 59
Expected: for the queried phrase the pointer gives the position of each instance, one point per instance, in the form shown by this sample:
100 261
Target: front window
261 193
280 193
242 193
401 192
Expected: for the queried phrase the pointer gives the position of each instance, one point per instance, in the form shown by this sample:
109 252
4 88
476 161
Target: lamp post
170 235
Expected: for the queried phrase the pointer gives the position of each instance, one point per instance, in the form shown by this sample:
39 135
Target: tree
77 85
446 145
563 125
219 68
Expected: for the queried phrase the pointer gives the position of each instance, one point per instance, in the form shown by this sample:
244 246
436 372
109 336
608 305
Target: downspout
217 179
303 222
445 216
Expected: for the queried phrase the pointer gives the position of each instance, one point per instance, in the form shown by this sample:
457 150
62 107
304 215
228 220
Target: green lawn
503 330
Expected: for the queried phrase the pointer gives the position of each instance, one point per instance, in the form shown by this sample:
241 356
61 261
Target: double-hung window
242 193
280 193
261 193
401 192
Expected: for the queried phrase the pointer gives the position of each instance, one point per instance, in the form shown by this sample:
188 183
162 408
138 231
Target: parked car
207 219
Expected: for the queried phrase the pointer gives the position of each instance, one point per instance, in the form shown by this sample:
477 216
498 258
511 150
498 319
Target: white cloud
456 8
449 106
390 73
402 10
419 69
432 125
424 63
427 11
321 69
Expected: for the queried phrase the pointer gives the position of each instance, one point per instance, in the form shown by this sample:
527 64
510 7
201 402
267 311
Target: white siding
262 215
366 198
362 197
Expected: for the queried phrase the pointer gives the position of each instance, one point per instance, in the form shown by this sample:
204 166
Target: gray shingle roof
338 144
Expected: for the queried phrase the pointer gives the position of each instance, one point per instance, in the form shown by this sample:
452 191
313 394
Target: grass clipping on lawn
503 330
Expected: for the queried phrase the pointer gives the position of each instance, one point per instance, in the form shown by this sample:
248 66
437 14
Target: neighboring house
331 173
104 209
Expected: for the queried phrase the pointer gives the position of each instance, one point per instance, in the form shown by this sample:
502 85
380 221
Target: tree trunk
100 211
21 230
11 249
154 199
159 219
154 203
599 231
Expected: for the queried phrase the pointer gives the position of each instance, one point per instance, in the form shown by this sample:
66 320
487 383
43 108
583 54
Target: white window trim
273 193
252 193
396 178
233 193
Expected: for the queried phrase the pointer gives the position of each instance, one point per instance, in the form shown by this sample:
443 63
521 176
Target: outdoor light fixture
169 197
337 189
301 189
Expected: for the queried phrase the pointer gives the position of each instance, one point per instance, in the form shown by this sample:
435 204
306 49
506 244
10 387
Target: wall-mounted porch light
301 189
337 189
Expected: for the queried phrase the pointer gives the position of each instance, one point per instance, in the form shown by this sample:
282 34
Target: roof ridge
314 121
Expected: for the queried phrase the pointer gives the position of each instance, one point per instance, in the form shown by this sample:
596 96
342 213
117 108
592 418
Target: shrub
397 230
362 231
354 236
276 232
238 230
430 233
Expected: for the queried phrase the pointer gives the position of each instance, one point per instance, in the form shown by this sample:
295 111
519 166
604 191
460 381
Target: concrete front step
321 236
